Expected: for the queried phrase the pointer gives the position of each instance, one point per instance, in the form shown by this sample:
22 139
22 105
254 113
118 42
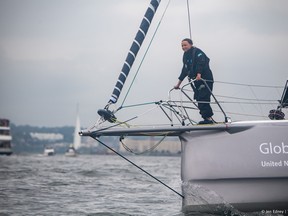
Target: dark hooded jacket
195 61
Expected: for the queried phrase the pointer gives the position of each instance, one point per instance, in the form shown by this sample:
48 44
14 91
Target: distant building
47 136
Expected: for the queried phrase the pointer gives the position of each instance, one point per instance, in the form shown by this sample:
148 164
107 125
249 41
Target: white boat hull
246 165
5 137
71 152
49 152
6 151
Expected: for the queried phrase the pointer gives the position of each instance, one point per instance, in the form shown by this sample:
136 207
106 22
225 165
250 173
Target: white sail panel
77 137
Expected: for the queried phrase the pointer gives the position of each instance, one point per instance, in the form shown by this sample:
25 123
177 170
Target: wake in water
202 201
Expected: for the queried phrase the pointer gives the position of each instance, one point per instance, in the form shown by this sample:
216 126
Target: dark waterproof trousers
202 94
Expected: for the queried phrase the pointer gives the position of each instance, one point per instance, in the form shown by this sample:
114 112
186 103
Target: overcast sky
55 54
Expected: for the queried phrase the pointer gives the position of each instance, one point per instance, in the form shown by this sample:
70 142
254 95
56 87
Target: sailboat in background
71 151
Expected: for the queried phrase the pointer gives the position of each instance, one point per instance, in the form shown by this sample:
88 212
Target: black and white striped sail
140 36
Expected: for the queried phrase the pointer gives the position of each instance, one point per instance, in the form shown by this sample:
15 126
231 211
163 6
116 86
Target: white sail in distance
77 137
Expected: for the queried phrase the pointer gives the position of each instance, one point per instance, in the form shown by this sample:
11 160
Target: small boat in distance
71 151
5 137
49 151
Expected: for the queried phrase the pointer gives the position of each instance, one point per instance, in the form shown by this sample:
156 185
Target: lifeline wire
138 167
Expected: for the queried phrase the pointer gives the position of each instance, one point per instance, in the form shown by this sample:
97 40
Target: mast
139 38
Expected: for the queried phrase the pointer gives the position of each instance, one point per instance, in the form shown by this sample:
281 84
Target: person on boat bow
196 67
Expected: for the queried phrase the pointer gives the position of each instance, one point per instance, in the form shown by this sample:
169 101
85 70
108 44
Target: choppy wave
100 185
87 185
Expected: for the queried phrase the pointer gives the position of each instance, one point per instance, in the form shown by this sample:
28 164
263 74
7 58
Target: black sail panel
139 38
284 99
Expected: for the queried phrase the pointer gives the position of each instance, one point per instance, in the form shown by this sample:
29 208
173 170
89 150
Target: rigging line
149 110
242 114
141 104
111 149
138 69
154 102
147 150
124 122
259 107
241 84
247 99
242 102
119 123
245 114
188 10
146 103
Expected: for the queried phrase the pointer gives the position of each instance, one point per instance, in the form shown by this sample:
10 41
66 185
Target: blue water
94 185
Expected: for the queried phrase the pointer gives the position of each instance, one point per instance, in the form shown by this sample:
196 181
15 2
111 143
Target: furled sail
140 36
